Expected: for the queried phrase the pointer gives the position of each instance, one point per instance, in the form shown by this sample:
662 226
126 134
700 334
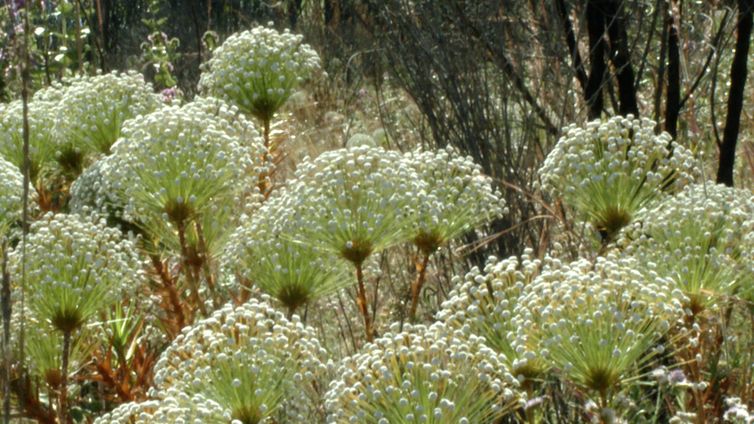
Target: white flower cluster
11 191
354 202
423 375
458 197
249 360
701 240
181 166
176 407
597 324
484 304
42 140
737 412
75 268
98 190
258 70
262 252
92 110
609 170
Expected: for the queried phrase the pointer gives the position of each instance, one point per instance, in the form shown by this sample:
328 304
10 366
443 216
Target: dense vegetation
363 211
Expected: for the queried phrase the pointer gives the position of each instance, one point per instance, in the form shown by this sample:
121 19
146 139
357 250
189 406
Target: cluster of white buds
11 192
258 70
187 166
484 304
355 202
76 267
611 169
42 140
93 109
701 240
423 375
262 253
250 360
598 325
457 197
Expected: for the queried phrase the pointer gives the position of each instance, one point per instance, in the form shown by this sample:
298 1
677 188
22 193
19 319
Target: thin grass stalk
6 308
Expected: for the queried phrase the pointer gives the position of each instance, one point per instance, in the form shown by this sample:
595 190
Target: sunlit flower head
423 375
484 303
701 240
457 197
607 171
598 325
258 70
76 267
92 111
250 360
355 202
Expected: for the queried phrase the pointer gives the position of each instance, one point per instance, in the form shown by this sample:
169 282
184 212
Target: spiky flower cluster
701 240
262 253
457 197
422 375
609 170
250 360
93 109
354 202
11 191
258 70
179 168
98 189
484 304
42 140
75 268
598 325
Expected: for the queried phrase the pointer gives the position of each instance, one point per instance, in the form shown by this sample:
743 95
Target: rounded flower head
354 202
597 324
181 166
701 240
483 304
11 190
97 189
92 111
42 143
457 198
422 375
258 70
249 360
609 170
262 253
75 268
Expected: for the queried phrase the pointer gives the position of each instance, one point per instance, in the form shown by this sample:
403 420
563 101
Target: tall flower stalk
457 198
75 267
353 203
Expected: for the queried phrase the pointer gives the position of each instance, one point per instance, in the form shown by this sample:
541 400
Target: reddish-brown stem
421 274
188 268
361 300
63 399
172 295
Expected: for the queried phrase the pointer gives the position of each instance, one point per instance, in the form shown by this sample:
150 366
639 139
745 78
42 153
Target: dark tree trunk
673 101
595 22
621 58
573 47
294 9
736 95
